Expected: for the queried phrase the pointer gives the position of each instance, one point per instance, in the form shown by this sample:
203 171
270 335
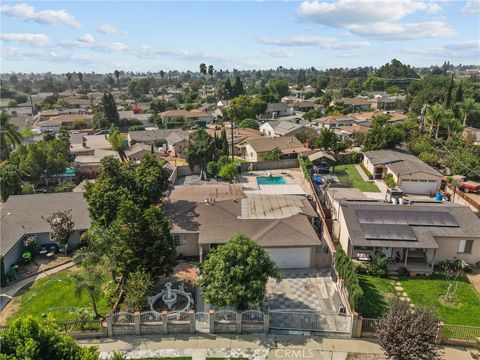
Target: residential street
258 347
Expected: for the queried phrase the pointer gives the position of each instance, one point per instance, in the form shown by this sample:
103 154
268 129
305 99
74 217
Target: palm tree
91 282
468 107
203 69
9 135
116 139
69 76
162 74
80 78
434 116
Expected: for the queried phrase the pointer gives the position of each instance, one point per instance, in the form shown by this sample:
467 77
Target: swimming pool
270 180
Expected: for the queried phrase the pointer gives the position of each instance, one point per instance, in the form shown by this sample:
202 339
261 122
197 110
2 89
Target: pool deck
248 180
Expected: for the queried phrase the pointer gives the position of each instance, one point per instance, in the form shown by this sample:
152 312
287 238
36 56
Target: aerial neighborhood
334 211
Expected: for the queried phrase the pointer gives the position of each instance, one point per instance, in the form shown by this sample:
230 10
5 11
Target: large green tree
10 180
29 339
236 274
200 149
383 135
244 107
9 135
106 112
249 123
143 240
144 183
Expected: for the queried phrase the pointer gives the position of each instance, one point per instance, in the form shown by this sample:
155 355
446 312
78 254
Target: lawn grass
347 172
55 291
376 291
428 291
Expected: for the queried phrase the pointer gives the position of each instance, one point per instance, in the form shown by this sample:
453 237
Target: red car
470 186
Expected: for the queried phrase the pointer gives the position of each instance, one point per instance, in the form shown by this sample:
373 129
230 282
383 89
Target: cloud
37 40
471 7
51 17
107 29
323 42
147 51
408 31
87 41
375 18
457 50
281 53
87 38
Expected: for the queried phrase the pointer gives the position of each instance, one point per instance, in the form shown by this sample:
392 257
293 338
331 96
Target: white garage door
418 187
290 258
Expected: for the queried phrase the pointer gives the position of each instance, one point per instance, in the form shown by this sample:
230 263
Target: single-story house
290 146
286 231
24 215
414 236
275 110
411 174
187 116
305 106
89 164
354 104
157 136
335 121
365 118
284 128
67 120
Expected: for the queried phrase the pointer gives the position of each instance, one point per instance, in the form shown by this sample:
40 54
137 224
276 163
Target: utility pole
422 117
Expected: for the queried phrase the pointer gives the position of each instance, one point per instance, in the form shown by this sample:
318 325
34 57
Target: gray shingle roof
154 135
26 214
217 222
367 221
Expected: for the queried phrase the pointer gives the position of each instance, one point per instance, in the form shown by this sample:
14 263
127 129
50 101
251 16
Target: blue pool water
270 180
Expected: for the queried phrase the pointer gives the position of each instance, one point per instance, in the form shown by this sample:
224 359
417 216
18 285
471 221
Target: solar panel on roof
403 217
388 232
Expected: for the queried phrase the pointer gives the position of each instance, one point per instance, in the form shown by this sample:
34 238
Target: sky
63 36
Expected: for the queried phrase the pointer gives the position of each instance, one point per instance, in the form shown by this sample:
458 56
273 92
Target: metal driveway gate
309 320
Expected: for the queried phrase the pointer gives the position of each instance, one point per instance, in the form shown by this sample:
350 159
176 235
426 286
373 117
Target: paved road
9 291
256 347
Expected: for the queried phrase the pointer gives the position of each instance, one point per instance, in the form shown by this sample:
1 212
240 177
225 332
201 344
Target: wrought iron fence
369 325
309 320
252 316
225 315
122 318
150 317
461 334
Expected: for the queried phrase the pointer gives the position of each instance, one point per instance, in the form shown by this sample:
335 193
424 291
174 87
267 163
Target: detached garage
291 258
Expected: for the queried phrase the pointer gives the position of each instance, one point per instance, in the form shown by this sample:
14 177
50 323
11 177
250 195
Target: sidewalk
257 347
9 291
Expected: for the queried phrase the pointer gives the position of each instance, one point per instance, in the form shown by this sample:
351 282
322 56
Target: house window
180 240
465 246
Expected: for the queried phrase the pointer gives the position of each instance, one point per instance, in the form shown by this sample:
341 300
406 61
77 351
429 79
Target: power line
459 161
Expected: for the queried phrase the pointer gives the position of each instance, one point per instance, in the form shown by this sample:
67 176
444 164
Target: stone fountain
177 301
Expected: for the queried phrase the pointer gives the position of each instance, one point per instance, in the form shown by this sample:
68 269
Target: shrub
137 288
306 166
389 180
30 243
136 128
228 172
212 168
346 270
364 168
67 186
80 124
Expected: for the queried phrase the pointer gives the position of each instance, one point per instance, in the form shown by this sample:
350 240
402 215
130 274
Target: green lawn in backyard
54 291
376 292
345 172
429 291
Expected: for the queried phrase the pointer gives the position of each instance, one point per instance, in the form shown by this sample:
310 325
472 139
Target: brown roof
239 134
199 193
60 119
353 101
394 116
356 128
184 113
287 144
217 222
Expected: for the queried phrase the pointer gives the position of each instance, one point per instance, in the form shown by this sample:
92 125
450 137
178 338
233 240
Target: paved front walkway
255 347
9 291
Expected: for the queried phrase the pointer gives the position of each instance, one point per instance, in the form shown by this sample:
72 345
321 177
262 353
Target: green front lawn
53 292
376 292
429 291
347 172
